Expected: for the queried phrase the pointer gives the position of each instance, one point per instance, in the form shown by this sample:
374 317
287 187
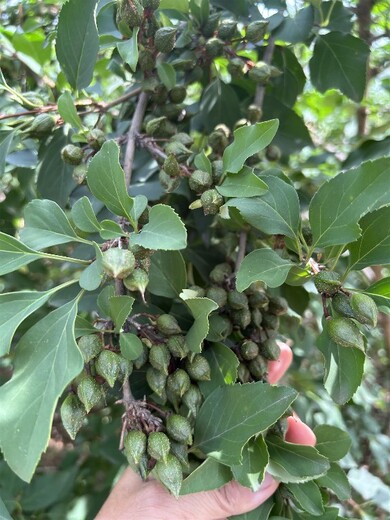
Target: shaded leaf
4 514
167 274
46 360
209 475
128 49
336 480
308 496
250 473
68 111
332 442
167 74
77 41
5 146
297 29
131 346
223 364
120 308
291 82
200 309
202 162
262 265
219 104
380 292
260 513
248 409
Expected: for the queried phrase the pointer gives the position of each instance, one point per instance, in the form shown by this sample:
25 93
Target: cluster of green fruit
347 311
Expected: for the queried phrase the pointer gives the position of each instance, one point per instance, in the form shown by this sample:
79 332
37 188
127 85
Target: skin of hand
134 499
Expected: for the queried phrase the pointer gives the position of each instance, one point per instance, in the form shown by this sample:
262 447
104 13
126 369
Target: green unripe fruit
159 95
90 393
199 181
151 4
72 154
211 201
179 429
218 140
241 318
237 300
260 73
249 350
243 373
364 309
327 282
200 292
135 446
256 31
193 399
220 273
256 317
177 346
342 305
108 365
160 127
211 25
214 47
180 452
137 281
72 415
79 173
198 368
171 166
42 126
158 445
142 358
178 382
168 183
156 380
273 153
178 94
236 67
165 39
90 346
179 150
227 29
151 85
171 111
217 294
217 171
270 349
125 369
146 60
130 13
96 138
183 138
170 474
159 358
258 300
254 114
345 332
270 321
258 367
118 263
167 325
277 305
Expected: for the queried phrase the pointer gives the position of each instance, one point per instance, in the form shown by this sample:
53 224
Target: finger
231 499
299 433
277 369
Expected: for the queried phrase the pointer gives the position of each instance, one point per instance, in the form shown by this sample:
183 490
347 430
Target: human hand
133 498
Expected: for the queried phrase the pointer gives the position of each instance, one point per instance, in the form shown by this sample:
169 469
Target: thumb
231 499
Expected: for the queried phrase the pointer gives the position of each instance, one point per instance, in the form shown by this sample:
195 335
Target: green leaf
276 212
103 300
291 82
200 309
15 307
92 276
167 274
45 362
297 29
248 409
84 216
140 203
68 111
373 247
164 231
202 162
339 204
332 442
83 327
380 292
131 346
110 229
4 514
120 308
106 180
248 140
336 480
244 184
5 146
219 105
177 5
167 74
260 513
46 225
78 41
294 462
263 265
340 61
223 364
344 368
308 496
250 473
128 49
209 475
14 254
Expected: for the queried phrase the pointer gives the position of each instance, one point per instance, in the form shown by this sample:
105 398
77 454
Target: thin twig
268 54
135 127
241 249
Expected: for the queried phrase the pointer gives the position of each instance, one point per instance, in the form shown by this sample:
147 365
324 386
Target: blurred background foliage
73 479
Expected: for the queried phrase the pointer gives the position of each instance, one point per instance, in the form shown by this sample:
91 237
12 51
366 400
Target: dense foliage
183 184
